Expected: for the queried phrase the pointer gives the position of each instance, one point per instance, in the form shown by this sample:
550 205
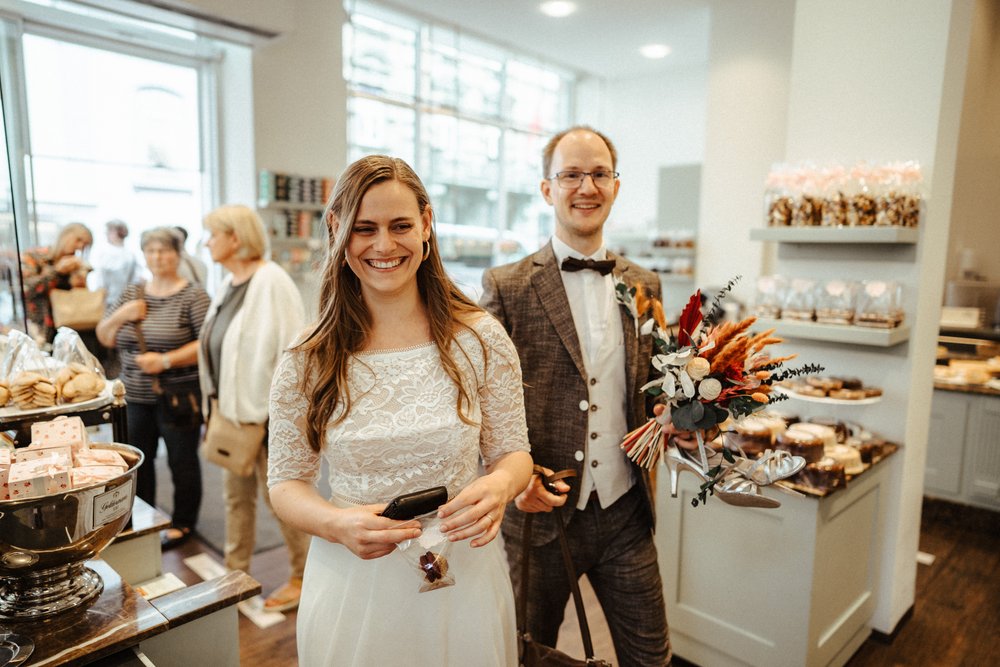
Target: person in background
403 384
115 267
155 329
253 318
192 267
57 267
583 366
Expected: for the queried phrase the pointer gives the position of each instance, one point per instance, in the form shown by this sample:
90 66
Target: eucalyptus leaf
681 416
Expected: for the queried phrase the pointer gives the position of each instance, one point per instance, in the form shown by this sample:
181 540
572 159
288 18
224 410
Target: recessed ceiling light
557 8
655 51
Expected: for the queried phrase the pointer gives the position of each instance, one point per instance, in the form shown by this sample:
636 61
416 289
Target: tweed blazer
530 301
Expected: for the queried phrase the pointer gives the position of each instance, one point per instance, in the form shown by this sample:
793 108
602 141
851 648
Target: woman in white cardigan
253 318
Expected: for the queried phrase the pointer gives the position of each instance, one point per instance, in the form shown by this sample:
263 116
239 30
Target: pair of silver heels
738 482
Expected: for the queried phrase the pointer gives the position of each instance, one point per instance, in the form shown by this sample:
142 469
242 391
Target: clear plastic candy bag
428 554
68 348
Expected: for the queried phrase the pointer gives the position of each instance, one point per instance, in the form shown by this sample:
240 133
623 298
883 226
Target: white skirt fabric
370 612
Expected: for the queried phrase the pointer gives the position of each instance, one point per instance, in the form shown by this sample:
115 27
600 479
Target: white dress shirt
598 326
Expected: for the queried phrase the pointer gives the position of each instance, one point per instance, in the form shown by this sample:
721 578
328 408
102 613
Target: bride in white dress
403 384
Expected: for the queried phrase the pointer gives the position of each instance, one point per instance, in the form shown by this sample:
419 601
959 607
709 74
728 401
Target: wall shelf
288 206
837 333
901 235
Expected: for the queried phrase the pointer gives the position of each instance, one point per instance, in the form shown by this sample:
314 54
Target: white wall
299 107
975 214
300 97
746 119
236 136
268 15
654 121
841 108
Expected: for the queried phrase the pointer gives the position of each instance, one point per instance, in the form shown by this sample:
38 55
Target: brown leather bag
530 652
233 446
78 308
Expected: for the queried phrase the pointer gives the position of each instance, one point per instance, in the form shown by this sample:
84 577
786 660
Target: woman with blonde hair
403 384
254 316
49 268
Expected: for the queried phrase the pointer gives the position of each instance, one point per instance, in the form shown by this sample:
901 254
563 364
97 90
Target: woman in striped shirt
155 328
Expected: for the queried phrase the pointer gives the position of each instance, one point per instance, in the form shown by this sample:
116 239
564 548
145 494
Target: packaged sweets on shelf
770 296
835 302
800 300
880 304
864 195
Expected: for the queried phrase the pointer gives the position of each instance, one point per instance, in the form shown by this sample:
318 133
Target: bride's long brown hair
345 323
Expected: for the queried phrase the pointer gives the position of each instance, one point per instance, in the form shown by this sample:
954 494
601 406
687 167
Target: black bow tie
603 266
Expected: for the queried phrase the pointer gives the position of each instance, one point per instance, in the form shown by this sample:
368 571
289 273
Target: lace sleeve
501 396
289 455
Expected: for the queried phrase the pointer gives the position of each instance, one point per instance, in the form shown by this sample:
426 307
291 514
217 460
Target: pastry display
824 475
76 383
825 433
5 394
840 388
32 390
848 457
750 435
801 442
840 428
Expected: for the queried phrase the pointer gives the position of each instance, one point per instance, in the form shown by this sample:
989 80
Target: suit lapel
549 287
629 337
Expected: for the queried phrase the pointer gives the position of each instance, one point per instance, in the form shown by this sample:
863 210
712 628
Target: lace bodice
403 432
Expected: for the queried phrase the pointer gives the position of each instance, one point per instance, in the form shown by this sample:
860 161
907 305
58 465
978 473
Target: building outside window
471 118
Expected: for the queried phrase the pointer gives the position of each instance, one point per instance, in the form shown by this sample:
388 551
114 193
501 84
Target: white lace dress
403 434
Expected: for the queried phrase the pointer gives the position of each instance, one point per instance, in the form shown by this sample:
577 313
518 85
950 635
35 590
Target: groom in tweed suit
583 366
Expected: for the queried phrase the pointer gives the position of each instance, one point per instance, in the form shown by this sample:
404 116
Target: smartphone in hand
410 505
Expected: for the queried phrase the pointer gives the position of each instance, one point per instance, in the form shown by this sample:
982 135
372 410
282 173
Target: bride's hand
477 510
369 535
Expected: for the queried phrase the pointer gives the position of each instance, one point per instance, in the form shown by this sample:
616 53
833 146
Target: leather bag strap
141 339
522 597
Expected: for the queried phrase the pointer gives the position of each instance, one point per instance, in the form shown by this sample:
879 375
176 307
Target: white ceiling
602 37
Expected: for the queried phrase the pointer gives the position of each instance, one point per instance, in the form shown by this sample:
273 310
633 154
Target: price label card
112 504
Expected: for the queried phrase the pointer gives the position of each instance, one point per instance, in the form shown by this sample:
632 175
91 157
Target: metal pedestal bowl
45 541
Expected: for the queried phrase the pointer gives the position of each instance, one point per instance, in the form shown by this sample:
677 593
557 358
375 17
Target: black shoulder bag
530 652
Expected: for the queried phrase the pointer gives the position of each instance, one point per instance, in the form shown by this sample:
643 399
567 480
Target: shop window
126 146
470 116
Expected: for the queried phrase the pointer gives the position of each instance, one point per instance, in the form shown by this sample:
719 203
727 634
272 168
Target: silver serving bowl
45 541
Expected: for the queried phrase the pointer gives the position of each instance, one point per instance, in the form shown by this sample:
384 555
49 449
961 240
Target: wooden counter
168 629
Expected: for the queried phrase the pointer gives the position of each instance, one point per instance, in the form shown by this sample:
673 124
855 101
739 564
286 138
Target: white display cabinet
963 449
799 585
790 587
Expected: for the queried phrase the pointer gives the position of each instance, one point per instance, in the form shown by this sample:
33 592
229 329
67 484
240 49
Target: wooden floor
955 619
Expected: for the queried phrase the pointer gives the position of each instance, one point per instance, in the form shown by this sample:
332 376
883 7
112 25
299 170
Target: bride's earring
427 251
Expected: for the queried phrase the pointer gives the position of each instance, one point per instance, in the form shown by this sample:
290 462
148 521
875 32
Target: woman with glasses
155 328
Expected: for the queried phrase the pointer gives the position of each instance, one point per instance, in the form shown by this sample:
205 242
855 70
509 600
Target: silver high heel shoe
772 466
729 485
